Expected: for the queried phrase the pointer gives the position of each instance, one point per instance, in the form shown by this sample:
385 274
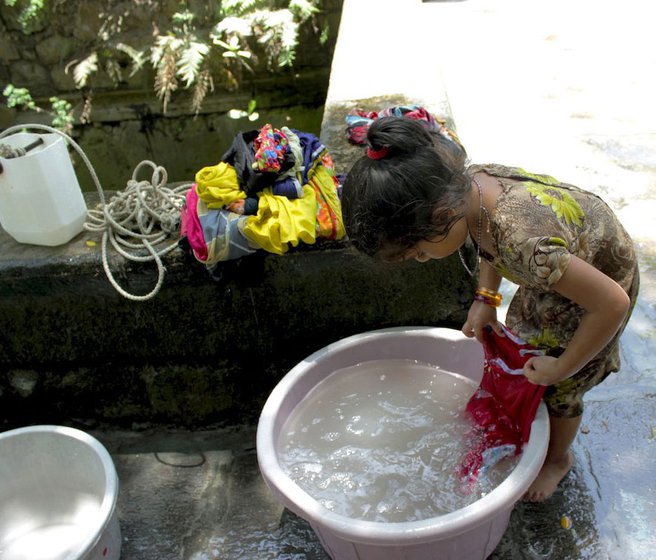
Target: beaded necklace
479 231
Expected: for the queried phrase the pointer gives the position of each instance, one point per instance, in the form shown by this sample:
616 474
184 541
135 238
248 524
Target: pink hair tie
377 154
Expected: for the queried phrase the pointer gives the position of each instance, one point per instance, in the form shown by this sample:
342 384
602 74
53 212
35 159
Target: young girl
414 197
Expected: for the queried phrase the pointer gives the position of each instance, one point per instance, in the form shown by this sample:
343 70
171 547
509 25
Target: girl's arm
480 315
605 304
489 278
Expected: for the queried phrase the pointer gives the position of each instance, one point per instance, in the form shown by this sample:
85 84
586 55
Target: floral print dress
538 224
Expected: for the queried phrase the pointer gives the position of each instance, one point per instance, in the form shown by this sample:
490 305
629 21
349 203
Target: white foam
383 441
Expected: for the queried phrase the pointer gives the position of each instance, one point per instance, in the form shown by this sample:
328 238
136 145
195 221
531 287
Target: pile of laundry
273 188
359 120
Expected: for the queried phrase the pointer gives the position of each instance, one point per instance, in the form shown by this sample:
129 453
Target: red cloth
505 403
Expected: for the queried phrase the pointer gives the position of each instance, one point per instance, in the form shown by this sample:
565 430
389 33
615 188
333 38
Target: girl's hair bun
399 136
410 186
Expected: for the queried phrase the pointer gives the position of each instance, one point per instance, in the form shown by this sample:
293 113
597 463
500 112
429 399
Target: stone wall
127 122
202 350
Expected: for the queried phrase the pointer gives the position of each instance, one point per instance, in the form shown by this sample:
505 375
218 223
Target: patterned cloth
358 121
289 183
271 146
537 225
329 223
213 234
241 155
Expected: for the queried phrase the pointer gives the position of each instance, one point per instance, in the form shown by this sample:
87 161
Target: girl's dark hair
417 191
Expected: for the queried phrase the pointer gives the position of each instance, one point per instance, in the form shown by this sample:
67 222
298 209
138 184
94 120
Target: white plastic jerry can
40 198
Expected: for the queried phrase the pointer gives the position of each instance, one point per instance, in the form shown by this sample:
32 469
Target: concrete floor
558 87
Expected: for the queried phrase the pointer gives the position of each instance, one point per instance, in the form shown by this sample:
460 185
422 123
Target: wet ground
558 87
565 88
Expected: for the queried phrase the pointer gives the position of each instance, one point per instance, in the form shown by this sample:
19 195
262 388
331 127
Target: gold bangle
488 297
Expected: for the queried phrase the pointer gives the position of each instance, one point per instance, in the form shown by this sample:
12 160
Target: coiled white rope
140 217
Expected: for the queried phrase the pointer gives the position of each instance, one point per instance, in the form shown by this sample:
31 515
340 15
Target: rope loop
136 219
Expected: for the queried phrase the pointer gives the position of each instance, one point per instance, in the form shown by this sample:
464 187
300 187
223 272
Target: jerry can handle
18 152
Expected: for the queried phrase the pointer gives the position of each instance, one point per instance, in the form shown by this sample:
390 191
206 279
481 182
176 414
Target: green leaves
21 98
302 9
62 114
190 60
238 35
180 54
250 112
31 13
137 57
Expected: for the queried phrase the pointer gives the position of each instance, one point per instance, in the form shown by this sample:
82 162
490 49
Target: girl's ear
444 218
443 214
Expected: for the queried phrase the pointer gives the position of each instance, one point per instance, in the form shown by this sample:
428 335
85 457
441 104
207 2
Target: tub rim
499 500
108 505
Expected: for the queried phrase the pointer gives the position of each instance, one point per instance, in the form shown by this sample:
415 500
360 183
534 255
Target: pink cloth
191 222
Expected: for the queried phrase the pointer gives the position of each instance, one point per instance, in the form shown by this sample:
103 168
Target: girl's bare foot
548 478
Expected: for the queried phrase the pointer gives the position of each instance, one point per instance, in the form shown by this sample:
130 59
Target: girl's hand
544 370
480 316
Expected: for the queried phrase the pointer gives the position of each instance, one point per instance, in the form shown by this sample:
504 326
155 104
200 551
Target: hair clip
377 154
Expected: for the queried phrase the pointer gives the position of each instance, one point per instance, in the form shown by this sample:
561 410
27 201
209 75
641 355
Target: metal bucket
58 492
470 533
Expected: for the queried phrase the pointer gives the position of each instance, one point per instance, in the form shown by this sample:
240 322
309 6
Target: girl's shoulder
537 185
513 173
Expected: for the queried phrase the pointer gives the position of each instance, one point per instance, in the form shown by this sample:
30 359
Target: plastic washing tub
58 491
470 533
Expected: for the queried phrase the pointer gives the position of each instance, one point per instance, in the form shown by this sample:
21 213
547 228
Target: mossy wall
202 350
127 121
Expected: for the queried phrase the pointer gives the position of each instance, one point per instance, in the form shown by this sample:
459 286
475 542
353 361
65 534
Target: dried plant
164 59
204 84
244 36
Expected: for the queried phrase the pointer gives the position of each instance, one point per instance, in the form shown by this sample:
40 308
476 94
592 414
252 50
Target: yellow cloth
281 221
217 186
329 219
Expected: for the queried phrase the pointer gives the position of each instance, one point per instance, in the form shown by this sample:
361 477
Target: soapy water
383 441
